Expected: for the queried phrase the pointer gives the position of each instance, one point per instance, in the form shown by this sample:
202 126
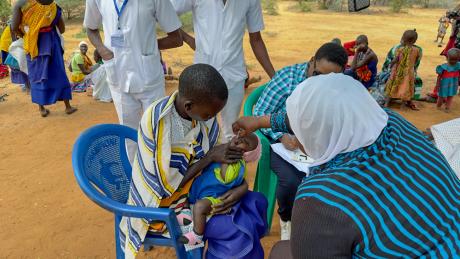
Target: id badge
118 40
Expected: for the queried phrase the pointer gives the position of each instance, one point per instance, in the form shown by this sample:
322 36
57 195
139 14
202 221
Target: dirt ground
44 214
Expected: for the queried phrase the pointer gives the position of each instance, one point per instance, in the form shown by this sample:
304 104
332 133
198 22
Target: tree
397 5
71 8
270 6
324 4
5 12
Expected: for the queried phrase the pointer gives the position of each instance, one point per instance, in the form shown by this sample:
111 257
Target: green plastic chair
266 180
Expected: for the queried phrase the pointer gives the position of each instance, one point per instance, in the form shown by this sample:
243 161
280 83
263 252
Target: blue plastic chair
103 172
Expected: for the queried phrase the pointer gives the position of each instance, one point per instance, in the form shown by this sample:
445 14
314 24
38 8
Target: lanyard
119 11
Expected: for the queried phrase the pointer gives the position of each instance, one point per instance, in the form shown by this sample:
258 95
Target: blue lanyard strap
119 11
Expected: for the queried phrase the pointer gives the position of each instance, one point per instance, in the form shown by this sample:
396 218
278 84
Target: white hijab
333 114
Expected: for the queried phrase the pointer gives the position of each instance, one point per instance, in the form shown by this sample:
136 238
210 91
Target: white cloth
101 89
131 107
333 114
219 31
16 50
82 43
292 158
136 67
447 138
180 127
231 112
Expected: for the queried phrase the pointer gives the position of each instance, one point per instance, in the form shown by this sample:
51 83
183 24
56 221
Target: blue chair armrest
120 208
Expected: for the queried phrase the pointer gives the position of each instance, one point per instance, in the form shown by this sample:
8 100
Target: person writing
329 58
378 186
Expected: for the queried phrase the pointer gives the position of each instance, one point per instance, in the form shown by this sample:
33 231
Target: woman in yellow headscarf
38 22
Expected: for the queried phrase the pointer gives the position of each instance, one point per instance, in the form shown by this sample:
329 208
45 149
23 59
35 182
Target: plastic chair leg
119 251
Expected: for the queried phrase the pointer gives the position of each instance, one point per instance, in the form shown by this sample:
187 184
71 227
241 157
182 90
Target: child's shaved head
202 93
362 39
202 83
453 56
410 36
453 52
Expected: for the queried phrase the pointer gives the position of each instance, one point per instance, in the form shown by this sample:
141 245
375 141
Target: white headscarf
82 43
333 114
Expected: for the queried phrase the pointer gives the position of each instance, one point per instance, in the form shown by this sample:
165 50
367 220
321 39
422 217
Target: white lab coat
136 67
219 30
135 74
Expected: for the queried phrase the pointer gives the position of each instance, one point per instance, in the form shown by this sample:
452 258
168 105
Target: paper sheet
295 158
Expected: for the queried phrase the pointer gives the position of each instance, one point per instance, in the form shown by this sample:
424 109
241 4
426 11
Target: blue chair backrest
101 154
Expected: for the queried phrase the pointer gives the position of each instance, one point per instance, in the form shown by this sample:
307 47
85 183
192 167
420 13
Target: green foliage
304 7
5 12
81 34
323 4
72 8
335 5
397 5
270 7
187 22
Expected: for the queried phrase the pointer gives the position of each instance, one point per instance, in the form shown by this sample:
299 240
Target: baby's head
250 145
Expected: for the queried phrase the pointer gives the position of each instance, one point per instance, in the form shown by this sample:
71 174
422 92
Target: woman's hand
247 125
226 153
290 142
229 199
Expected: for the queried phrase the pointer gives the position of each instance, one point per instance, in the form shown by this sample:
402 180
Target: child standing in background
448 75
401 84
444 23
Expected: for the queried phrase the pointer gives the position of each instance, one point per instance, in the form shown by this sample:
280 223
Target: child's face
204 111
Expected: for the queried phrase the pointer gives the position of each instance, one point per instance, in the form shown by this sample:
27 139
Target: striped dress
397 198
